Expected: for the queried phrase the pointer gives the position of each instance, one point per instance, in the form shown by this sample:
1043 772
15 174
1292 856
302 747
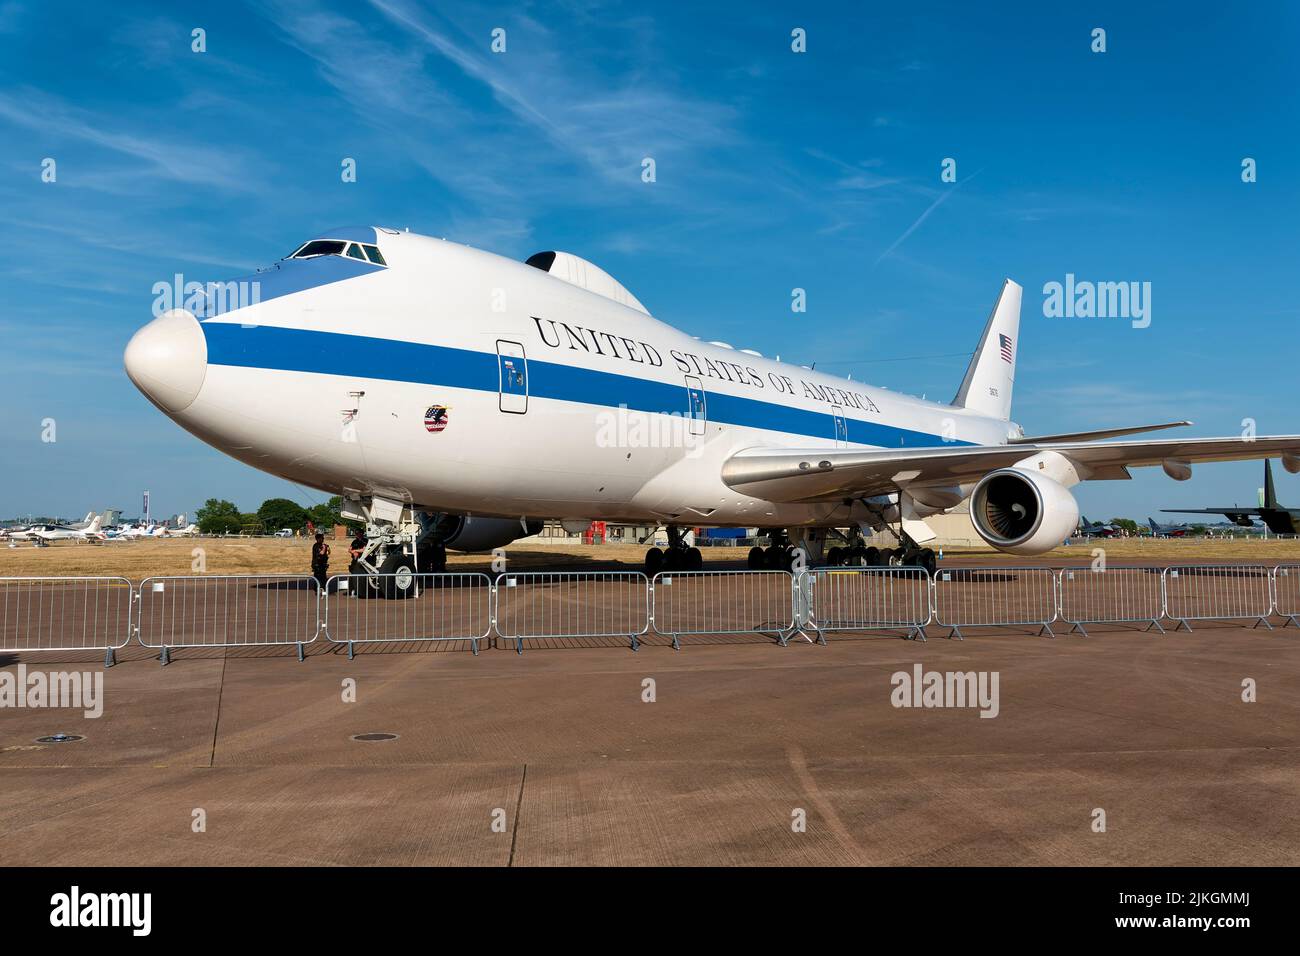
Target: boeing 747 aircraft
456 398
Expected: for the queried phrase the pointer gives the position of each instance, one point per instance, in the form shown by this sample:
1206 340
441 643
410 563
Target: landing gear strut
676 557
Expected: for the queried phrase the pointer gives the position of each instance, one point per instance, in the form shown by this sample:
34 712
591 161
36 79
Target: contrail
922 218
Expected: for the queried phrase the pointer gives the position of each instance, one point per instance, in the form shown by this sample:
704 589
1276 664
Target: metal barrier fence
571 604
989 597
66 614
1286 593
866 599
1218 592
723 602
1111 595
166 612
442 607
228 611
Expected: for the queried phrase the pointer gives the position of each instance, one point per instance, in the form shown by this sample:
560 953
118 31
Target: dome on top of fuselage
585 275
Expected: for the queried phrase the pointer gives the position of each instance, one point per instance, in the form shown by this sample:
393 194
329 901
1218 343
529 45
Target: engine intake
1020 512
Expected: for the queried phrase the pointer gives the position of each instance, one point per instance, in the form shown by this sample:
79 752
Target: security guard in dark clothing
320 560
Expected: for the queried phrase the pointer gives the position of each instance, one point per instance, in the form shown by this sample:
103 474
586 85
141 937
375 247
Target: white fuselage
558 402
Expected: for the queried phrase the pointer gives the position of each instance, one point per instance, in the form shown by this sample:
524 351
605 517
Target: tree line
218 516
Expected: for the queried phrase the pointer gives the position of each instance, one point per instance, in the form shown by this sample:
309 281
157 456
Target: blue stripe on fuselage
332 353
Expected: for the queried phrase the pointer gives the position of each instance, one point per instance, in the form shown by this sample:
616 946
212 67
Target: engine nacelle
483 534
1020 512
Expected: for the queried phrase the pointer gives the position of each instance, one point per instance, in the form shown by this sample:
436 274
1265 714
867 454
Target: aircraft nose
168 360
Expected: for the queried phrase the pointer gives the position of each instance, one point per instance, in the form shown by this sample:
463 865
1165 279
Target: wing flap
821 474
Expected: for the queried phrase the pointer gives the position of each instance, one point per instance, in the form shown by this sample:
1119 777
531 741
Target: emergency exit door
696 410
512 371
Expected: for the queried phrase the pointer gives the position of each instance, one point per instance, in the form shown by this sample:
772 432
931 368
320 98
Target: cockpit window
320 247
339 247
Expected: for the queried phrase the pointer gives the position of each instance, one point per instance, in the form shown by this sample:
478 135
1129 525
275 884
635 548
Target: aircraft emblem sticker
435 419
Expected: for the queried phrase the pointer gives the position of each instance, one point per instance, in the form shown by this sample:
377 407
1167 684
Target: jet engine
1020 512
473 534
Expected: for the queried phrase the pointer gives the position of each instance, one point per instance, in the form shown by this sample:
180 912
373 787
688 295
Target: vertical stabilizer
986 389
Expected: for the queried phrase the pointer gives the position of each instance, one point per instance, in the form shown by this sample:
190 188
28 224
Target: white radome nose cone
168 360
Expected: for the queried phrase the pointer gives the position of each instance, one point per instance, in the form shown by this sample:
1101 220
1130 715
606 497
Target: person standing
320 560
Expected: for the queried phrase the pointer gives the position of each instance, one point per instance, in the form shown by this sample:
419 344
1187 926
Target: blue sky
775 170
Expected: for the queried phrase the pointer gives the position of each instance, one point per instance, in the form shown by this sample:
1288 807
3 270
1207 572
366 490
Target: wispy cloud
156 154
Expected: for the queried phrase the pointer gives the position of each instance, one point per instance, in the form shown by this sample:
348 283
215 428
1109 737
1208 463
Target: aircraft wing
1211 511
822 474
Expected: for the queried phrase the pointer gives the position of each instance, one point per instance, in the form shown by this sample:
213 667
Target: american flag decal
1005 342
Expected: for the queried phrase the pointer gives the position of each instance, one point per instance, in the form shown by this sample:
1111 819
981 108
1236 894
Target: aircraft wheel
928 561
363 584
399 581
654 562
883 557
694 560
757 560
870 557
834 557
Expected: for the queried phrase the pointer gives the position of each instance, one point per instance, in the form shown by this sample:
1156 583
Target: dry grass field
137 559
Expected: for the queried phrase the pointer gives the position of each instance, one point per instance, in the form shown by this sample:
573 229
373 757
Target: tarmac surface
554 757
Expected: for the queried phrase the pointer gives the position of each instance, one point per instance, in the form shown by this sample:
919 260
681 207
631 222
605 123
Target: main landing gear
778 556
676 557
908 555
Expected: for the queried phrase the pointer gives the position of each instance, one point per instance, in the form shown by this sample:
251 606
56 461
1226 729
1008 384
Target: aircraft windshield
338 247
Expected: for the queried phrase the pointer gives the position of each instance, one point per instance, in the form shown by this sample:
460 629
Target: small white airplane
49 533
133 532
455 398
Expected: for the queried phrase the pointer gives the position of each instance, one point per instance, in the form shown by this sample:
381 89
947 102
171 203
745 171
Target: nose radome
168 360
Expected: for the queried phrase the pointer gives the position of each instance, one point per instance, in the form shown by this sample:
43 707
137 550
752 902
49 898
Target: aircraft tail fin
1154 527
986 389
1270 496
95 524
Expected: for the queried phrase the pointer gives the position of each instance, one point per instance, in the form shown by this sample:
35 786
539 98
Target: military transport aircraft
1277 518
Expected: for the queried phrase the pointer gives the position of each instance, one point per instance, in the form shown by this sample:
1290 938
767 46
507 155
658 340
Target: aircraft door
841 427
512 371
696 410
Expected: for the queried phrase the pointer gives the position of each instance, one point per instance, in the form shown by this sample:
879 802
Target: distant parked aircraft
1096 529
49 533
1277 518
1168 530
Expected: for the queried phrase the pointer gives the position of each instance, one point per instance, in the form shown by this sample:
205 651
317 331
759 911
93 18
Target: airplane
49 533
1099 529
455 398
1168 530
133 532
1277 518
30 533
